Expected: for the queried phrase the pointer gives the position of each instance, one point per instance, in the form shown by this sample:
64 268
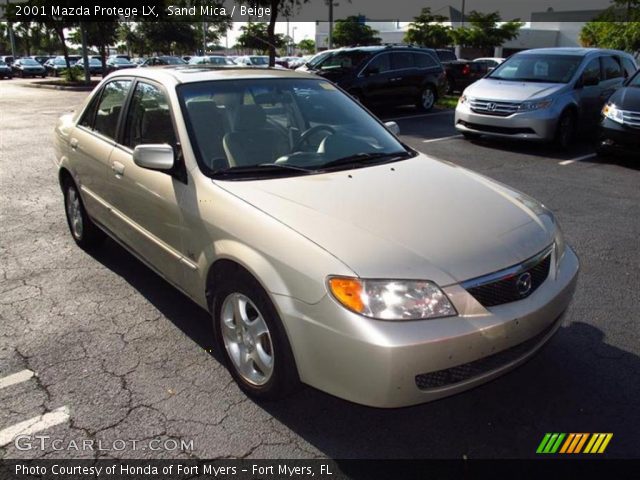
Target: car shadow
538 149
576 383
625 160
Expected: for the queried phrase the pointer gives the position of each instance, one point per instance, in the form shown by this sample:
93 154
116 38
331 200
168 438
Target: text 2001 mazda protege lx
327 252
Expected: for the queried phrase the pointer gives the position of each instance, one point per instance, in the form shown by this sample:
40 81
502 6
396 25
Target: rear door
145 202
405 78
91 144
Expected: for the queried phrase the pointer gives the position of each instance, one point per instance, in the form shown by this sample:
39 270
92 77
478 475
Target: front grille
631 119
442 378
493 129
491 107
512 284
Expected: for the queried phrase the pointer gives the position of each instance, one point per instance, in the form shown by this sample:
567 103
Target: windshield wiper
366 159
262 168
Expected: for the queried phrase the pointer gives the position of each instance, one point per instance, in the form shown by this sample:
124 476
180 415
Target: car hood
415 219
511 91
627 98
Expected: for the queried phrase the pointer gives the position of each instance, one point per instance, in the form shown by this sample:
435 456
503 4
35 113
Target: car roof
178 74
575 51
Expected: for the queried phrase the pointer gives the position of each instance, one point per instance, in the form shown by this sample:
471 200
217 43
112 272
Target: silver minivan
543 94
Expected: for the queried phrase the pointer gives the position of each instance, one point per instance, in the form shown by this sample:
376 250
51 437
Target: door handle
73 143
118 168
395 79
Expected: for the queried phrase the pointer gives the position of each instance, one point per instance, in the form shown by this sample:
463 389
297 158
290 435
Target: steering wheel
307 134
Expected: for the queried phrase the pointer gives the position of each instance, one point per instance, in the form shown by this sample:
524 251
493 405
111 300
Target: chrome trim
508 272
630 118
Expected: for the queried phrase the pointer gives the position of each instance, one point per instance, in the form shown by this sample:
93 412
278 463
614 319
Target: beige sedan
327 251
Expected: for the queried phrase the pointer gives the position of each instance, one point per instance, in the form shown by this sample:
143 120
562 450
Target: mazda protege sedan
327 251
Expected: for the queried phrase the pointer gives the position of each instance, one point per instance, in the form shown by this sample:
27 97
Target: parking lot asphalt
117 353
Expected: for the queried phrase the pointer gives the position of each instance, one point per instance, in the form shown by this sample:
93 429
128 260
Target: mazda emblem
523 284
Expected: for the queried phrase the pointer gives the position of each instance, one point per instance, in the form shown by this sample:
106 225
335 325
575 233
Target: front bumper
381 363
616 137
539 125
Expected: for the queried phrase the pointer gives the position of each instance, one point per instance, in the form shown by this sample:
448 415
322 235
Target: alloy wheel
247 339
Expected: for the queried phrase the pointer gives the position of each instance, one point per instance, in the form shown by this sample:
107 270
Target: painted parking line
430 140
422 115
15 378
577 159
34 425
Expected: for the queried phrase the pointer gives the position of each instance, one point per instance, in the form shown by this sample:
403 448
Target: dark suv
387 75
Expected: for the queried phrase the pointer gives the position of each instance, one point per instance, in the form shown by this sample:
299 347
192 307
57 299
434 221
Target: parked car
28 67
217 60
162 61
95 66
258 194
543 94
138 60
491 62
462 73
8 59
387 75
119 63
56 66
5 70
619 129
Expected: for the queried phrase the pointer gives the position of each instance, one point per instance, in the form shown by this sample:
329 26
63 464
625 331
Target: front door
146 202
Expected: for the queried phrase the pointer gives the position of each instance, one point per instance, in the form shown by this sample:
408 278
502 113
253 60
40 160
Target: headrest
250 117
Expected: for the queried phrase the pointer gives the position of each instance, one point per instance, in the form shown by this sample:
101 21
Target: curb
74 88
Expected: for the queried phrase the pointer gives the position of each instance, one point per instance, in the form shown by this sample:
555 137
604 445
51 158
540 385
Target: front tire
566 130
84 232
252 339
427 99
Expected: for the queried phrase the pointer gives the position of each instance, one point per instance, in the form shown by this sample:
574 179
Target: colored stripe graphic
573 443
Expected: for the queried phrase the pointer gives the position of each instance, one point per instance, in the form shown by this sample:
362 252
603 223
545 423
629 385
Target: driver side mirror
154 157
393 127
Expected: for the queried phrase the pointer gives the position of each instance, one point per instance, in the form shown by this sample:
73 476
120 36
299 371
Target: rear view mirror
393 127
154 156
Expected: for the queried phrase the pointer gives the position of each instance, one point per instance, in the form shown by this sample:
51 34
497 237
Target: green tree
307 46
169 37
100 35
486 31
133 42
255 36
427 30
618 27
285 8
351 32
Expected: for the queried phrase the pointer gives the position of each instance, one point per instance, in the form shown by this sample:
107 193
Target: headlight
612 113
559 244
391 299
538 105
464 99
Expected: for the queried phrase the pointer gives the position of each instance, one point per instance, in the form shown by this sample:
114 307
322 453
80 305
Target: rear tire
427 99
566 129
252 339
84 232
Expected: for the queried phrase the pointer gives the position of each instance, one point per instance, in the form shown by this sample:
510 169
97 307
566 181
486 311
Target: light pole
293 40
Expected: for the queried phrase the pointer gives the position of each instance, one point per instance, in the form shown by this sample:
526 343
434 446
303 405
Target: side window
424 60
111 102
591 71
149 118
400 60
628 66
381 63
611 68
89 114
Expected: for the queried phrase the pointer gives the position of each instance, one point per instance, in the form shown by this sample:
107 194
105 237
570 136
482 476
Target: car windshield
272 127
259 61
29 61
61 61
538 68
121 61
2 63
345 60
